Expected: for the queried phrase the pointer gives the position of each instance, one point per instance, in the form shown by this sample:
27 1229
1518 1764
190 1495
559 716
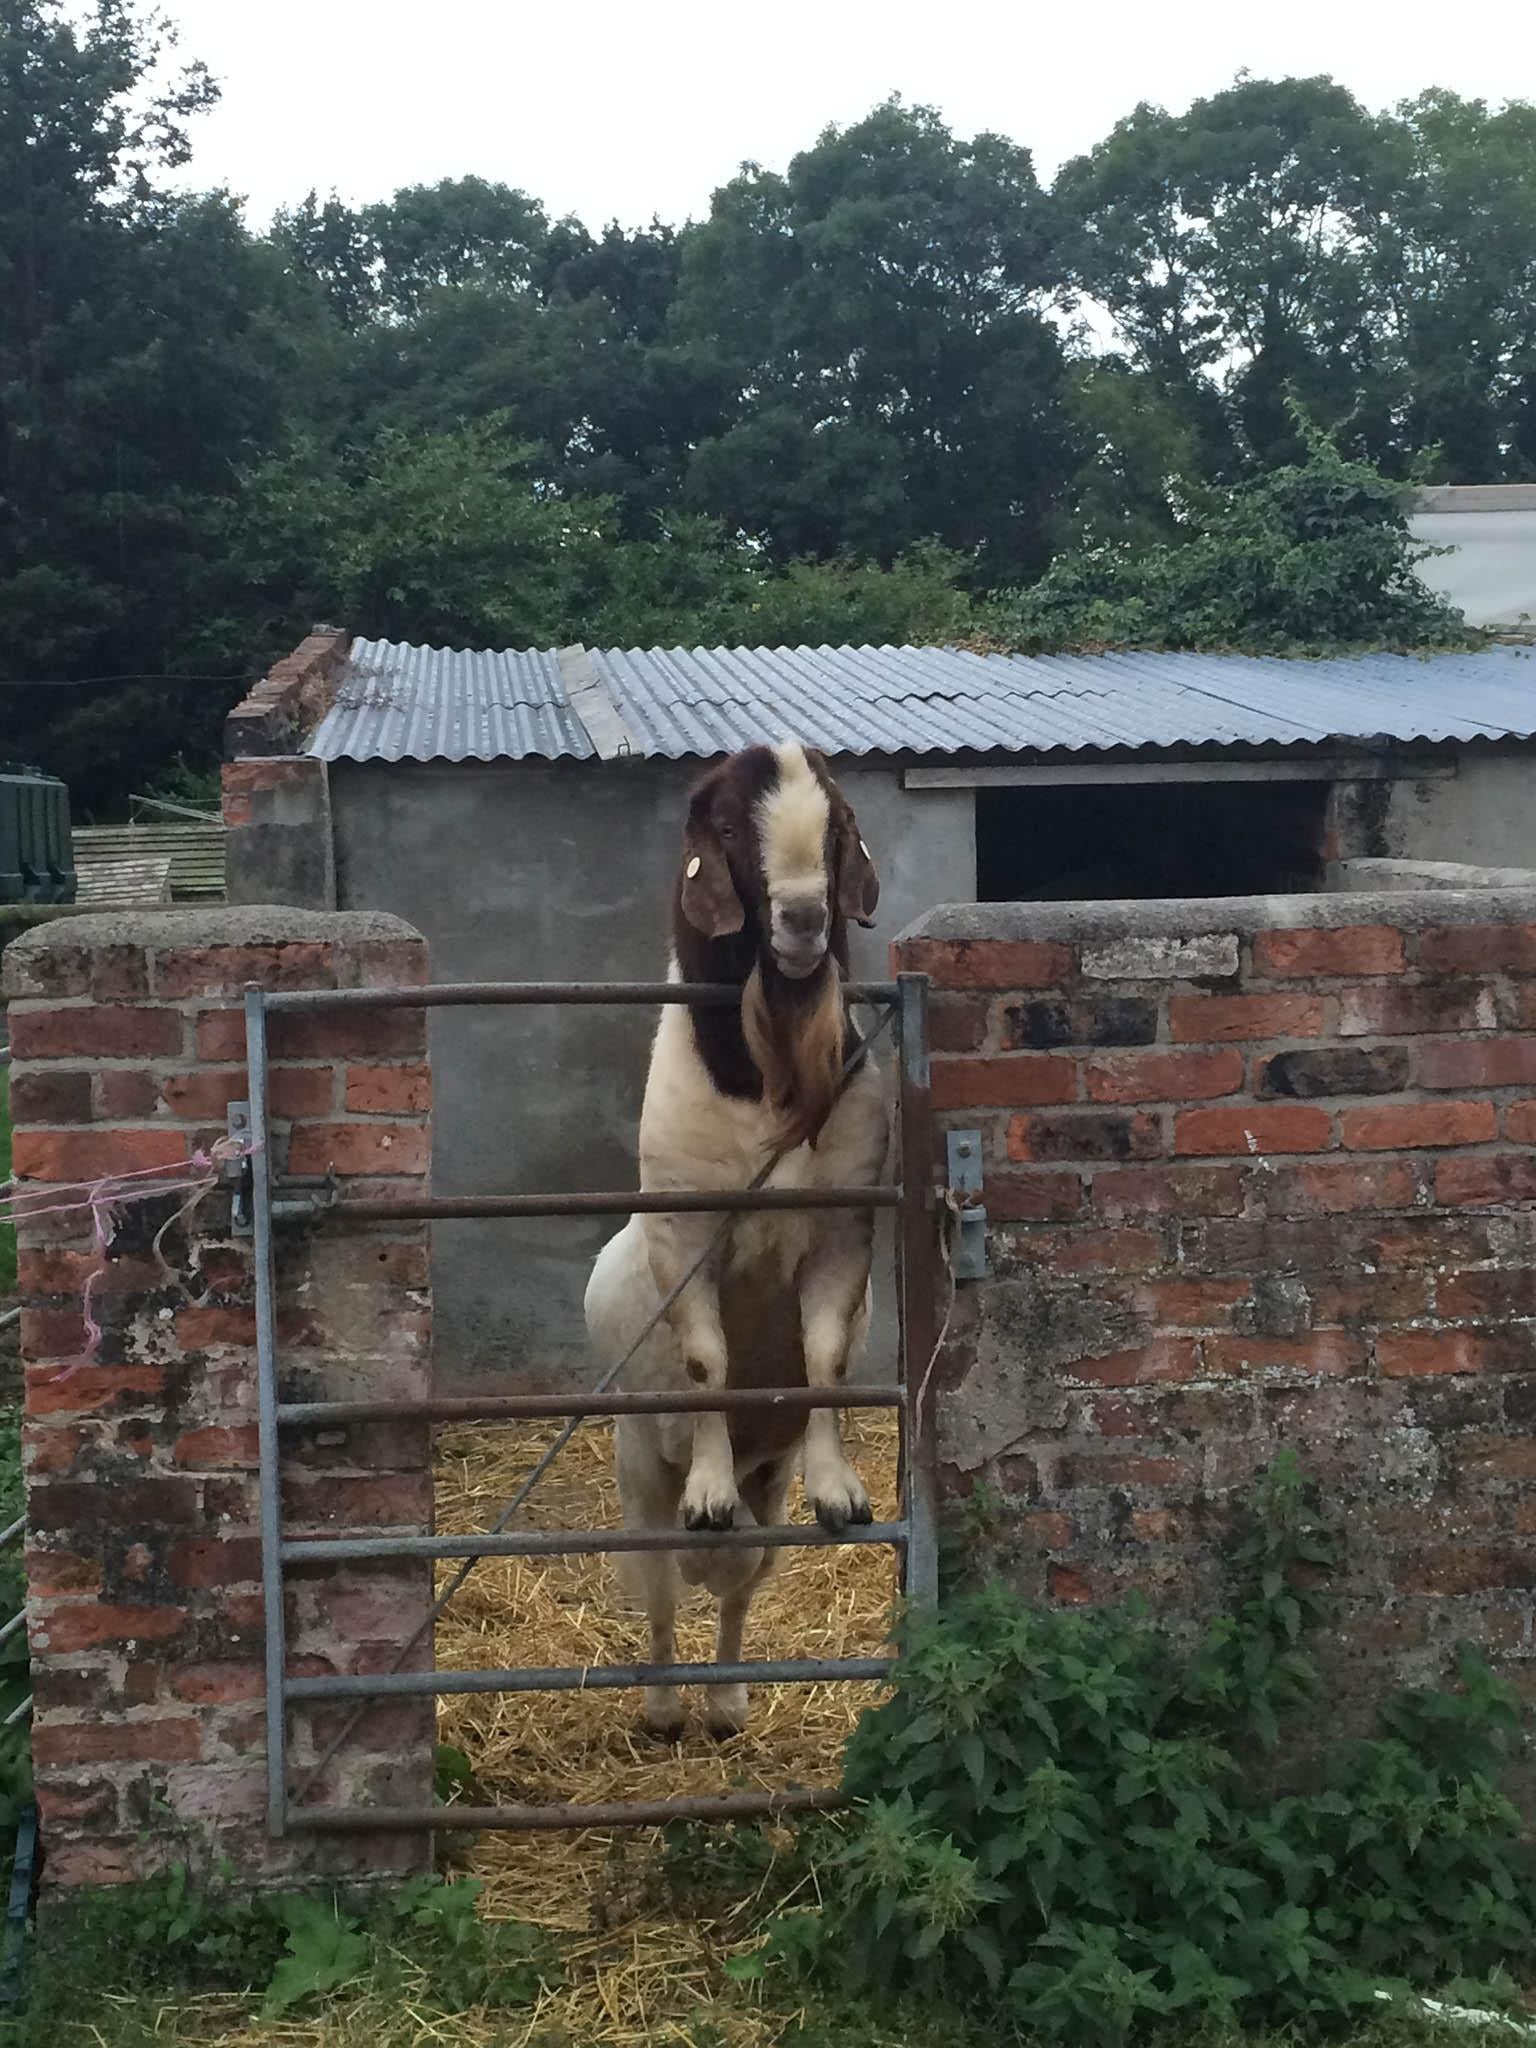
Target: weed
1057 1827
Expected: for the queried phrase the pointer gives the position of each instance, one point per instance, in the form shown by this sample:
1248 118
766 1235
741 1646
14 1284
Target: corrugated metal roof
424 704
402 703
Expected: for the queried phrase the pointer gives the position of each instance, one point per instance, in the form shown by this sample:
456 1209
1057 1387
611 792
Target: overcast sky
613 111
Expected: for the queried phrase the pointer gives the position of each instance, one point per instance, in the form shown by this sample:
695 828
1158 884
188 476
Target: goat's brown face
770 835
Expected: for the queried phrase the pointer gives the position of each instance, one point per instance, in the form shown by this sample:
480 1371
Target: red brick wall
1258 1173
145 1605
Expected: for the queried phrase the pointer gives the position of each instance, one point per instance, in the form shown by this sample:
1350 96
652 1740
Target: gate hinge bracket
238 1171
963 1155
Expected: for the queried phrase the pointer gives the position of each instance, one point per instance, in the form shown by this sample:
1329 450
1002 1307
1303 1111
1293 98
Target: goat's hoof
712 1515
725 1714
835 1515
669 1730
723 1730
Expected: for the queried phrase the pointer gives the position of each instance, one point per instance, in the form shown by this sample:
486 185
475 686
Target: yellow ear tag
693 867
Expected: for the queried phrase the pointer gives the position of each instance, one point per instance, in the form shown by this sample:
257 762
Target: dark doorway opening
1149 839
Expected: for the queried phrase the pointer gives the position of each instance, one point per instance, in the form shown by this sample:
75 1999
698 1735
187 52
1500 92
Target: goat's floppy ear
709 898
858 886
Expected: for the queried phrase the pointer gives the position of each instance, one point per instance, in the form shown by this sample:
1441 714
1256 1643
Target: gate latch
963 1155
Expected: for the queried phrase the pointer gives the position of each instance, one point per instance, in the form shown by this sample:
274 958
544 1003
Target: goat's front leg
833 1284
675 1242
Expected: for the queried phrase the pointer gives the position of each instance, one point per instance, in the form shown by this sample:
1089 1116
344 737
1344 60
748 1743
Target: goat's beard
794 1032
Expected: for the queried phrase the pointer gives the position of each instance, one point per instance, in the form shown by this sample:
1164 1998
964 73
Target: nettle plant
1058 1822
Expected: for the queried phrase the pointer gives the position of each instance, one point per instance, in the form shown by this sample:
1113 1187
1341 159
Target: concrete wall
1484 814
533 871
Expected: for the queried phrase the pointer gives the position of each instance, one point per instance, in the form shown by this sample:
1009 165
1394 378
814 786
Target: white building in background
1491 576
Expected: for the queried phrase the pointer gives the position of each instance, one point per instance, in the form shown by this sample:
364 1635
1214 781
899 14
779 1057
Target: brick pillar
145 1605
1259 1173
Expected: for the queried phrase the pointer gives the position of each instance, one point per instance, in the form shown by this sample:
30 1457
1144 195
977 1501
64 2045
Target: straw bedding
636 1974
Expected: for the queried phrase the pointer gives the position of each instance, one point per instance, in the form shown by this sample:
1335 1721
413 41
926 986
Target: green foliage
1313 557
1060 1828
170 1938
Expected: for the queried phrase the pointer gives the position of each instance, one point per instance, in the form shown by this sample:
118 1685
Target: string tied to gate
104 1199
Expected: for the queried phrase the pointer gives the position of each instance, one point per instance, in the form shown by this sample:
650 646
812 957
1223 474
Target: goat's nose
804 920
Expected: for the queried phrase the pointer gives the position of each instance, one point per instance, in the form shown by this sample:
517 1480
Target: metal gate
272 1202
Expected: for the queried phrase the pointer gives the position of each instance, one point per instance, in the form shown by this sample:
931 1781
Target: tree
876 317
1311 557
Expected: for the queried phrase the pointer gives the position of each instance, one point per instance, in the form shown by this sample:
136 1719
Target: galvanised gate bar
273 1202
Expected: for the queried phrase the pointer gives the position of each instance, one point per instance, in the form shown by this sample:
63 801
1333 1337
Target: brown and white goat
772 869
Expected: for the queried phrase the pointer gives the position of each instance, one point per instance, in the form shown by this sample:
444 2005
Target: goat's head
772 848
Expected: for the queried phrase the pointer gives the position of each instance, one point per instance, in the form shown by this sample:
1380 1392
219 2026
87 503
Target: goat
772 870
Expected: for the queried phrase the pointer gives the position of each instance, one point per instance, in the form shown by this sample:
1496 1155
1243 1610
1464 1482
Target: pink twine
106 1196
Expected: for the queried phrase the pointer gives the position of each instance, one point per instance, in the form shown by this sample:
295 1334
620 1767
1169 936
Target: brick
1119 1193
350 1149
1334 1187
1413 1008
138 1504
1323 1352
1092 1251
126 1094
383 963
389 1091
1157 957
52 1333
1191 1304
1479 949
229 1682
1335 1070
61 1571
86 1625
1407 1126
107 1031
1158 1525
204 1327
1502 1291
1416 1354
1086 1135
370 1501
1204 1019
1073 1588
226 970
1091 1020
1167 1360
1123 1468
987 963
51 1098
955 1023
201 1564
1051 1531
1011 1081
1497 1457
1443 1571
92 1389
94 1742
1486 1180
1371 1299
1044 1197
1164 1076
50 1450
317 1035
1347 950
1478 1063
215 1449
1520 1122
203 1094
88 1802
45 1269
1252 1130
87 1155
217 1796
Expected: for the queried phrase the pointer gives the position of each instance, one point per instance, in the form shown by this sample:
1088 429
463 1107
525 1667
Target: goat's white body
793 1306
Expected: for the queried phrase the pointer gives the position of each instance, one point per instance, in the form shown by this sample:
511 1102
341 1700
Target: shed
521 808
